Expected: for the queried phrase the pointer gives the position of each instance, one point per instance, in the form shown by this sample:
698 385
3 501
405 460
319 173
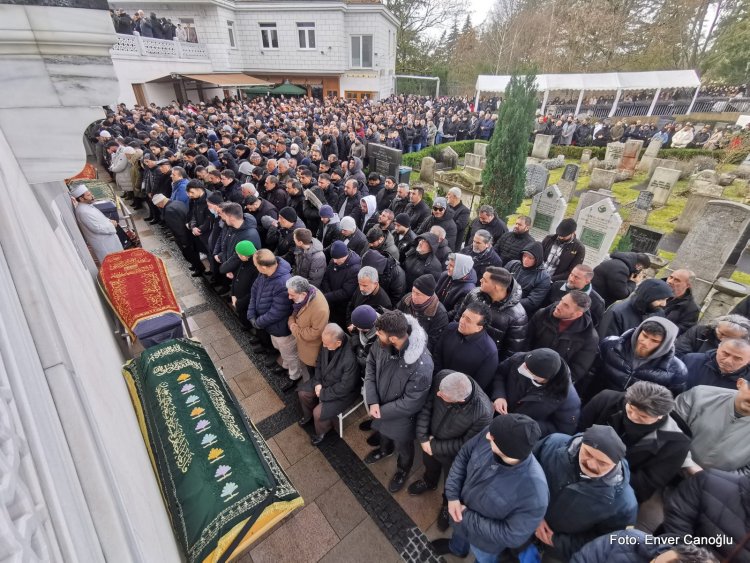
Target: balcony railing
661 108
137 46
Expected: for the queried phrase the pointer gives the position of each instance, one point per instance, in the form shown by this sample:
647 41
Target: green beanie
245 248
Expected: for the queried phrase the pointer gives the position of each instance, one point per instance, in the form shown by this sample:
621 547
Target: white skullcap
78 190
158 198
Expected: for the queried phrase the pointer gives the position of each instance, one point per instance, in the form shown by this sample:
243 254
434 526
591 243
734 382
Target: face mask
214 213
523 370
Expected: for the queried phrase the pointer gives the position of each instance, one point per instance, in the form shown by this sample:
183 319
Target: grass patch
740 277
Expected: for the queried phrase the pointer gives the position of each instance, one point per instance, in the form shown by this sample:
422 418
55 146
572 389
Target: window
188 25
306 32
230 30
269 36
361 51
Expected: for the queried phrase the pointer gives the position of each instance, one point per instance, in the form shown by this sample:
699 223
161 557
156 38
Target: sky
479 10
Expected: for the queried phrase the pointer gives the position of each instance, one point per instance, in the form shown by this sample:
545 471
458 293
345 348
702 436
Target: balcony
135 46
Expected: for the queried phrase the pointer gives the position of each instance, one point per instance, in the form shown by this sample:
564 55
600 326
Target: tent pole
614 104
476 102
580 101
695 97
653 102
437 87
544 100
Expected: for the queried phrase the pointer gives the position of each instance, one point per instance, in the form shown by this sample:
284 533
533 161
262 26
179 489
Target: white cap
105 134
158 198
78 190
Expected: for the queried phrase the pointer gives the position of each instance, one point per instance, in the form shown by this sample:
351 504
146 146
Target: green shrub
414 159
576 152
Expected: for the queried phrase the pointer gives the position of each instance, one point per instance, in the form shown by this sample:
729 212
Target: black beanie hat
403 219
289 214
566 227
515 434
543 362
605 439
426 284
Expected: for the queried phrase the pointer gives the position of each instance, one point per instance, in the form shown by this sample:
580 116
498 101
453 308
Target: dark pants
311 406
433 466
404 450
153 211
190 252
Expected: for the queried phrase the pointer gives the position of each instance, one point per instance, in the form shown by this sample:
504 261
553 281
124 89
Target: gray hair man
370 293
309 316
681 308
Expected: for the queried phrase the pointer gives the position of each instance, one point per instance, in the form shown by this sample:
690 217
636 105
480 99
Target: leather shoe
304 420
278 370
419 487
374 439
198 274
442 547
289 384
258 348
365 425
443 519
398 481
318 439
271 361
376 455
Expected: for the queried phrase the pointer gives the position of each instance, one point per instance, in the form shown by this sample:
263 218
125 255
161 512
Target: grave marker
644 239
630 152
536 179
427 170
662 183
602 179
614 153
696 202
598 225
547 210
542 145
652 150
384 160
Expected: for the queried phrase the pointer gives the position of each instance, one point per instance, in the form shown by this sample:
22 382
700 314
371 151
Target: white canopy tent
615 81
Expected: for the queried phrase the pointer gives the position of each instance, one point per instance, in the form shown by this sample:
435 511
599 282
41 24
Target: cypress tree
504 175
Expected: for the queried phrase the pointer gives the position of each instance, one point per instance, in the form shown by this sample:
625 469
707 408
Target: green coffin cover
222 485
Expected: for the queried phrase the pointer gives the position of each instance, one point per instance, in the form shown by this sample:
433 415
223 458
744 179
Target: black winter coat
338 372
559 288
475 355
398 205
433 320
174 214
709 504
612 277
578 345
391 275
276 197
682 311
417 213
417 264
461 218
242 284
332 234
535 281
496 228
378 301
247 231
553 413
573 253
356 242
508 320
340 284
655 453
384 198
632 311
451 425
404 243
446 221
702 369
700 338
201 218
510 245
483 260
351 208
742 308
452 292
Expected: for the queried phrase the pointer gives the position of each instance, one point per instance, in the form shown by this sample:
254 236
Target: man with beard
403 235
385 197
562 251
487 221
579 279
417 209
510 244
369 293
481 252
422 304
648 300
401 200
441 217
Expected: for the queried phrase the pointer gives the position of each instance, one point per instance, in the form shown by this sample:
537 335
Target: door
140 96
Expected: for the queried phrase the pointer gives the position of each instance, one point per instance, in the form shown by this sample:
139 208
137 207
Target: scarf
428 308
297 307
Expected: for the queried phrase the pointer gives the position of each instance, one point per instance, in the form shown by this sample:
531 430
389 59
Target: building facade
329 47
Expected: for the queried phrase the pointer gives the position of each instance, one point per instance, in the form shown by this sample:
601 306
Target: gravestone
547 210
449 158
384 160
601 179
630 152
696 202
662 183
643 239
714 244
598 225
536 179
651 152
474 160
542 145
569 181
585 156
614 153
639 215
427 170
589 198
703 178
480 149
662 163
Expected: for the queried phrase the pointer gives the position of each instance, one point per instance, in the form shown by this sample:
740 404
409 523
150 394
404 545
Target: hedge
414 159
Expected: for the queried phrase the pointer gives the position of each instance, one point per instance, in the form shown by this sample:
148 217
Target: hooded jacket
417 264
399 381
612 277
356 172
446 222
475 354
634 310
682 311
582 509
655 452
391 275
482 260
535 281
620 368
371 210
508 320
270 306
703 369
451 290
553 413
310 263
633 547
433 319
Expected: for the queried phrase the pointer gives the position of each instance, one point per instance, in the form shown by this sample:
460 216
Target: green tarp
221 483
288 90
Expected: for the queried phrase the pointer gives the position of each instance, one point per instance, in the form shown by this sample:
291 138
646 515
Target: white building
330 47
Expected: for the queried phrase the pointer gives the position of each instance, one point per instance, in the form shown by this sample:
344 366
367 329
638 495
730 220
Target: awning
289 90
227 79
599 81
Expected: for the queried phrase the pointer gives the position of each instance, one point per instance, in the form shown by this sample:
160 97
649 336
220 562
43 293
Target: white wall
137 71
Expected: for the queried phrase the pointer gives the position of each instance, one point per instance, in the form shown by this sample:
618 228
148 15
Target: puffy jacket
510 245
399 381
357 242
702 369
310 263
270 306
582 509
619 368
447 222
179 191
385 197
578 345
634 310
451 290
482 260
508 320
709 504
682 311
451 425
461 218
504 504
338 372
655 452
612 277
497 228
247 231
417 264
404 243
572 254
553 413
417 212
474 355
700 338
535 281
633 547
340 281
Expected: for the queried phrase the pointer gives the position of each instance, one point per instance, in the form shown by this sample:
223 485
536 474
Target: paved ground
349 515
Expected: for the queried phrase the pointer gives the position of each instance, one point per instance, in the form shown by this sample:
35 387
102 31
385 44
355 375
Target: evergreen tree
504 175
467 25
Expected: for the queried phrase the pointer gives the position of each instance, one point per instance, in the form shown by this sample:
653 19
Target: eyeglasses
438 208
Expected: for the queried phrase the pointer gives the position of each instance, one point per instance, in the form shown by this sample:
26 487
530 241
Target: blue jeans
438 138
460 546
416 147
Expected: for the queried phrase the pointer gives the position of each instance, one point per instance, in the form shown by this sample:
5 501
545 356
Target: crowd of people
149 26
562 404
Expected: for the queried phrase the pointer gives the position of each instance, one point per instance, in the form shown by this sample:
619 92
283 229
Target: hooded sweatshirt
630 312
371 209
534 280
356 172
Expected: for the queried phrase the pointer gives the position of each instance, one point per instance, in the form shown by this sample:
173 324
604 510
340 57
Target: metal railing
137 46
661 108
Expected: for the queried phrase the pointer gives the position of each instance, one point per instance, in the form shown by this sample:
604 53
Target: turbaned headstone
542 145
547 210
662 183
714 244
536 179
598 225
